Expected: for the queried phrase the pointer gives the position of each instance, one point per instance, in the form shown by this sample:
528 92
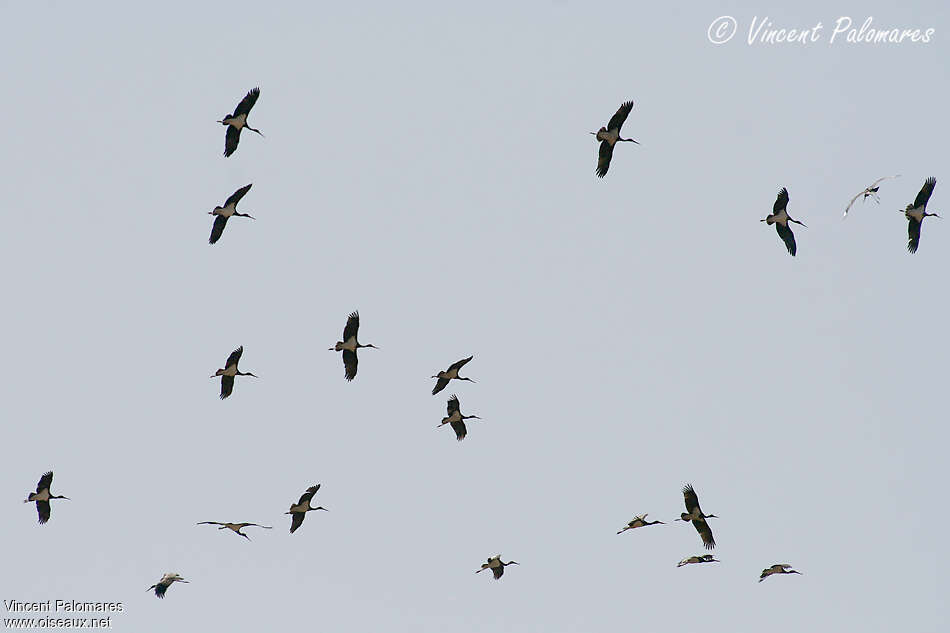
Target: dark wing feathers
913 234
460 431
781 201
160 590
459 364
231 139
439 385
349 364
45 481
453 404
296 520
925 191
234 357
237 195
217 230
247 102
352 326
785 232
690 498
498 571
603 159
307 496
42 510
616 121
227 386
705 533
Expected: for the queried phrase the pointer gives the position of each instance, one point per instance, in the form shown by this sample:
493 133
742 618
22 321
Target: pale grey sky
430 166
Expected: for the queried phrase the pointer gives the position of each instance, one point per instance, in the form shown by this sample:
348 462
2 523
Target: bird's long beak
214 375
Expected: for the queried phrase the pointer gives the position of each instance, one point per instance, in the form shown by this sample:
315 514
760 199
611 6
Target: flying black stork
42 496
238 121
162 585
916 212
223 213
456 419
496 566
639 521
695 515
452 372
780 219
780 568
300 509
235 527
869 192
230 371
349 345
610 136
692 560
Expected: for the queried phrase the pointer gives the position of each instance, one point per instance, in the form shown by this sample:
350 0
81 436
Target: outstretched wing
45 482
453 405
460 431
617 120
705 533
217 229
913 234
691 499
296 521
785 232
42 510
227 386
237 195
459 364
247 102
160 590
349 364
231 139
307 496
925 191
848 208
234 357
439 385
498 571
781 201
352 326
603 159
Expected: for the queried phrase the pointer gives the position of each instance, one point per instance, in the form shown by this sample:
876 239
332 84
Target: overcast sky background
430 166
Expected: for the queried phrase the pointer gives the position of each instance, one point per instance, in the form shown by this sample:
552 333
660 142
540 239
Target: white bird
916 212
780 219
869 192
235 527
42 496
639 521
780 568
496 566
162 585
704 558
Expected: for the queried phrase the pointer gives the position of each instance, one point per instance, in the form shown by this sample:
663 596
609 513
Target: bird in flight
224 212
916 212
230 371
780 568
42 496
237 121
449 374
349 345
235 527
869 192
162 585
300 509
496 566
610 136
780 219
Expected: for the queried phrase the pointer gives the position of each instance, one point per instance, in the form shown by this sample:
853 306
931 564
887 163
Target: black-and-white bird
869 192
780 568
916 212
223 213
496 566
237 121
695 515
349 345
610 136
639 521
235 527
692 560
780 219
449 374
162 585
456 419
42 496
300 509
230 371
